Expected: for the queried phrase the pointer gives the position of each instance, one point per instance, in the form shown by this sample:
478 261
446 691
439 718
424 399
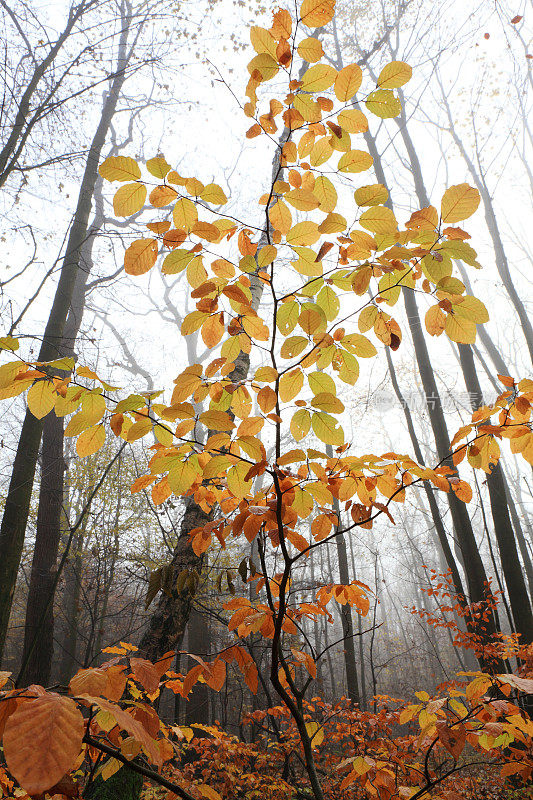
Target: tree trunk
198 631
71 606
58 340
352 684
512 570
38 632
500 255
473 565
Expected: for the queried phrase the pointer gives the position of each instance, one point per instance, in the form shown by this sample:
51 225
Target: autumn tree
328 280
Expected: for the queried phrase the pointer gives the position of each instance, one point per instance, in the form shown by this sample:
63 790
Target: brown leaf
42 740
453 739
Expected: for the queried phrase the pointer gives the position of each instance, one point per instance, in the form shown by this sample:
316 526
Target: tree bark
473 565
352 683
16 510
512 570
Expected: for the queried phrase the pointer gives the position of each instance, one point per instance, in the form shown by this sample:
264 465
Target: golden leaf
315 13
119 168
140 256
41 398
394 75
129 199
318 78
383 103
348 82
310 49
91 440
459 202
355 161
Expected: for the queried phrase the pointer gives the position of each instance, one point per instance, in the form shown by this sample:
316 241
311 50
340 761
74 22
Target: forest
266 445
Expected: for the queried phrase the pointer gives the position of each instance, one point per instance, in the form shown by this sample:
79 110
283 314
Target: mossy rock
122 785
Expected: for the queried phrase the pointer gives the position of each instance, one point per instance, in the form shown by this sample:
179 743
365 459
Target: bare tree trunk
60 337
512 570
474 570
500 255
71 606
197 708
352 684
39 632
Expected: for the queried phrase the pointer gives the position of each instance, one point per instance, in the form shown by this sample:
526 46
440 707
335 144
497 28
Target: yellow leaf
394 75
347 82
290 385
303 233
237 484
348 367
303 503
472 309
321 382
318 78
290 457
41 398
263 41
328 402
322 150
287 317
359 345
383 103
327 429
459 202
315 13
158 167
355 161
266 255
352 121
280 217
367 317
176 261
293 347
310 49
185 214
92 410
214 194
329 302
266 374
119 168
90 441
372 195
302 199
9 343
216 420
459 329
315 733
379 219
325 193
263 66
140 256
181 477
129 199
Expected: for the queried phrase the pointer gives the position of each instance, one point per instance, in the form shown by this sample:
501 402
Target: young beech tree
326 276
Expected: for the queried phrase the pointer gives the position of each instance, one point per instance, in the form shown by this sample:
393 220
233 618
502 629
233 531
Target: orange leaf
42 740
